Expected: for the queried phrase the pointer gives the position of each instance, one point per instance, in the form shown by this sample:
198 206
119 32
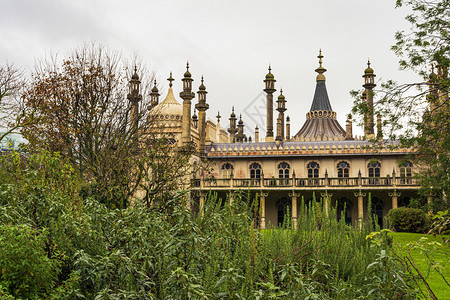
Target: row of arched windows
313 167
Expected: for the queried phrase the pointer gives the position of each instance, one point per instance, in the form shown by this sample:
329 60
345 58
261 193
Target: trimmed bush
405 219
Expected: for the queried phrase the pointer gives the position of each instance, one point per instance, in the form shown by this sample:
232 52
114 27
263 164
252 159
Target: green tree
417 114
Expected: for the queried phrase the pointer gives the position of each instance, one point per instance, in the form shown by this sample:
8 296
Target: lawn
440 255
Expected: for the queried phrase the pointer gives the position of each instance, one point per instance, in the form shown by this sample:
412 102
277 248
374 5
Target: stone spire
187 95
202 106
369 84
281 108
154 96
134 97
233 129
269 89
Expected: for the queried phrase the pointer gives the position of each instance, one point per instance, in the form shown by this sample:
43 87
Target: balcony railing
304 182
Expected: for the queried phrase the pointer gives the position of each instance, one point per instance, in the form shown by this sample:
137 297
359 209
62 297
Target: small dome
187 74
155 89
281 97
135 76
202 87
169 106
368 71
270 76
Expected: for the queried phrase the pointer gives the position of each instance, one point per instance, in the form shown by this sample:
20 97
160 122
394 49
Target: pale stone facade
321 159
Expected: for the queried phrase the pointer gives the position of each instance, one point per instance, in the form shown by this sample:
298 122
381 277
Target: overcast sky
230 42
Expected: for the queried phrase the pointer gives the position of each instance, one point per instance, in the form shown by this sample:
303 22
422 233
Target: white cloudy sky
230 42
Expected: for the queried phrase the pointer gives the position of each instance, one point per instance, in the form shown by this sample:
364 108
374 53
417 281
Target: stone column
326 196
231 196
360 196
263 197
294 196
202 202
395 196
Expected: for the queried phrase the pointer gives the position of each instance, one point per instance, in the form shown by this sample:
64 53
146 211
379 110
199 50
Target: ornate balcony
306 183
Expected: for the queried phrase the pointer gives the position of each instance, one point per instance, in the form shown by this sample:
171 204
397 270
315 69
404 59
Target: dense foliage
142 252
416 114
405 219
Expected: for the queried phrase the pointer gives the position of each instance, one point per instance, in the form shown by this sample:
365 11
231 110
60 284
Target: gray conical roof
321 100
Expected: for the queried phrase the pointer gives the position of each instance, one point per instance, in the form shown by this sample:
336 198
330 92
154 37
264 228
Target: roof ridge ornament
320 69
170 79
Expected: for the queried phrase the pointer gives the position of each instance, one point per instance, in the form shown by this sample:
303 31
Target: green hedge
404 219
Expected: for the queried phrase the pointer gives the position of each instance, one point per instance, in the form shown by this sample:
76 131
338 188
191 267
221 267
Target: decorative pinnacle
368 62
218 117
187 66
281 91
170 80
270 69
320 69
135 68
232 109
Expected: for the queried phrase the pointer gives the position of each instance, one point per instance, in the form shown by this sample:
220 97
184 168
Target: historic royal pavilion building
321 158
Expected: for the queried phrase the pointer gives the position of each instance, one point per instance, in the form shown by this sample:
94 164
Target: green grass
440 255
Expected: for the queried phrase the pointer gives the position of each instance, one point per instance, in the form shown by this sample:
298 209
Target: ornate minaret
240 137
349 128
154 96
187 95
288 128
256 134
369 84
232 130
202 106
195 119
270 89
379 128
281 108
134 97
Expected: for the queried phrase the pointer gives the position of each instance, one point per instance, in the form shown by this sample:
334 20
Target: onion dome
233 115
135 75
240 120
369 70
202 86
155 88
187 73
281 97
269 75
169 109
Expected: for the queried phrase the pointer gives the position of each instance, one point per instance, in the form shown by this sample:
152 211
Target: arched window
377 211
227 169
313 170
374 169
343 169
255 171
344 209
283 208
404 201
406 169
283 170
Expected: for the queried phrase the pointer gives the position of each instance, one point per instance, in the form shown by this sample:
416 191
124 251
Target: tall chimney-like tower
134 97
281 108
269 89
233 129
187 95
202 106
369 84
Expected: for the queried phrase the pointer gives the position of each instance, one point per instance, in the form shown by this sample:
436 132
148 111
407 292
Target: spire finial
202 78
135 68
320 69
368 62
232 109
170 79
218 117
187 66
281 91
270 68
